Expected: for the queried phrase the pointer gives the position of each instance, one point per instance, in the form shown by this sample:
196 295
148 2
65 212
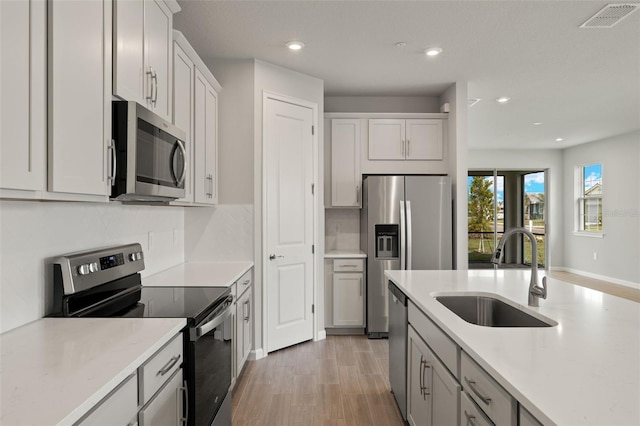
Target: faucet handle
544 288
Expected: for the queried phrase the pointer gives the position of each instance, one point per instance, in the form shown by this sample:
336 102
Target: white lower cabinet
433 396
153 395
244 321
345 296
165 409
120 407
470 413
525 418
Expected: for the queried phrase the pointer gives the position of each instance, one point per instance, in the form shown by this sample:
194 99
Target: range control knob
83 269
132 257
139 255
93 267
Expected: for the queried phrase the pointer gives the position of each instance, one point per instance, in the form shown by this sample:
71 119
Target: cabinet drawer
471 414
348 265
119 407
496 402
244 282
440 343
166 407
159 368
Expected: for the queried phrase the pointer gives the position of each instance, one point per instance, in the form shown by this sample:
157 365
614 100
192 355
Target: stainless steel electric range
107 283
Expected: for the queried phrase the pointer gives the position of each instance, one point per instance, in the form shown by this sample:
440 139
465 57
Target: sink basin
489 311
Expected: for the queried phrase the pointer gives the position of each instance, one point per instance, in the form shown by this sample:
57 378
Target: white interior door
289 223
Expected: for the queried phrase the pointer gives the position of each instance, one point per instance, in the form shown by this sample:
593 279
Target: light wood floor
342 380
603 286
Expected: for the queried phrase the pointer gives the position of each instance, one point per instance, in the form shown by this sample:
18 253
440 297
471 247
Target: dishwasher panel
398 319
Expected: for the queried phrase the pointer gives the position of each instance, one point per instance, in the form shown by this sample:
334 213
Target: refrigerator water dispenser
386 241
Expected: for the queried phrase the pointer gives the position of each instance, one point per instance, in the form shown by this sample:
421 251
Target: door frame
266 96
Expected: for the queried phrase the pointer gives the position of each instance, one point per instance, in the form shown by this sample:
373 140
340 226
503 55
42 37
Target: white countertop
585 370
345 254
199 274
54 370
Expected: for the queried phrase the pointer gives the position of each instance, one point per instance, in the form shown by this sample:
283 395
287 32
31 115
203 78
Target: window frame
581 199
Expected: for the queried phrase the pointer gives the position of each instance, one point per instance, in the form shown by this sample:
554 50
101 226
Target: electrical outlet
595 255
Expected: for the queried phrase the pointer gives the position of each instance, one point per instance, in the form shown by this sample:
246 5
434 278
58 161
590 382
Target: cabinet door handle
209 178
408 149
472 386
247 309
421 376
246 282
185 410
113 171
168 366
358 195
361 286
470 419
154 77
402 147
425 390
149 96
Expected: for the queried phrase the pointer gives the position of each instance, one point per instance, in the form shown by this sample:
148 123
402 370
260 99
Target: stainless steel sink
490 312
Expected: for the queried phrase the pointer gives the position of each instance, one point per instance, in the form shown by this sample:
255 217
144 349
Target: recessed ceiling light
537 123
503 100
559 139
295 45
401 44
433 51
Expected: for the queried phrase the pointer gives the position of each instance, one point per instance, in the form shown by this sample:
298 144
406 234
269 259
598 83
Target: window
589 197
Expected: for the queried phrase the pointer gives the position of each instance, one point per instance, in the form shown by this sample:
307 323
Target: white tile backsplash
223 232
342 229
33 232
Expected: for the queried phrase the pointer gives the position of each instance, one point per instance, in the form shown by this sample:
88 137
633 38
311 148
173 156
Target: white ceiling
582 84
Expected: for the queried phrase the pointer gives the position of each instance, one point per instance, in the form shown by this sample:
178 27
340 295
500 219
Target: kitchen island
584 370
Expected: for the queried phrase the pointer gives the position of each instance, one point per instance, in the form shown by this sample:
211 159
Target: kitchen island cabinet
548 375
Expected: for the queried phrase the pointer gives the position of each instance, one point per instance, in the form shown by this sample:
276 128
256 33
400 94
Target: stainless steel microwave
148 157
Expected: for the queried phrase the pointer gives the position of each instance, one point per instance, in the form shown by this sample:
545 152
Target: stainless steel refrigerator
405 223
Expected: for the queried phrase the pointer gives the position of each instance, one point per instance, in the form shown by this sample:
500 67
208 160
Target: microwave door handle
184 162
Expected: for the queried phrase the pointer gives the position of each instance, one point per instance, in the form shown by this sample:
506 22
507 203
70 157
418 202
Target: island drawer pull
168 366
470 419
472 386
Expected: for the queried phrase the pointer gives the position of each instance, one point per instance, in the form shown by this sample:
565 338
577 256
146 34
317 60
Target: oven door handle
217 318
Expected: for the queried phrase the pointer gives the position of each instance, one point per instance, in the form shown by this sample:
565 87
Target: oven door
210 363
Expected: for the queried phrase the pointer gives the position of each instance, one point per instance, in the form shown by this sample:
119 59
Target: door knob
273 256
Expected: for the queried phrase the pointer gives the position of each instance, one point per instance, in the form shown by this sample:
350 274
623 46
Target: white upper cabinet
79 81
398 139
423 140
23 95
206 141
195 110
346 179
142 56
386 139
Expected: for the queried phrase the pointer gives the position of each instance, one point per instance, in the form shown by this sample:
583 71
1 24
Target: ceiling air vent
473 101
610 15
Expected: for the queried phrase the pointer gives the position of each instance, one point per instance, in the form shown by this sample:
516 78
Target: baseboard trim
322 335
611 280
256 354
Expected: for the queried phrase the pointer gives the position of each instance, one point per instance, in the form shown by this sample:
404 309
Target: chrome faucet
535 291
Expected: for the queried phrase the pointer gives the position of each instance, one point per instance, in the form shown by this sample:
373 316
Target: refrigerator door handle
403 233
408 235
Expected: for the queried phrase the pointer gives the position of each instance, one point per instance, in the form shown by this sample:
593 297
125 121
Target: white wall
223 232
32 232
538 159
342 229
456 96
381 104
619 250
